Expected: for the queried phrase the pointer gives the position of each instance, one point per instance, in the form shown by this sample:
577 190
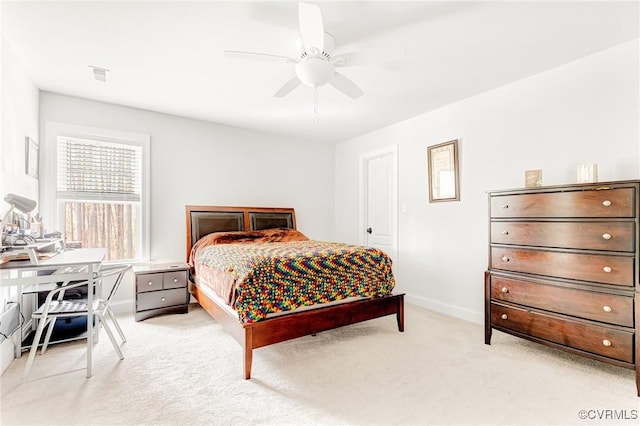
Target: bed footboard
290 326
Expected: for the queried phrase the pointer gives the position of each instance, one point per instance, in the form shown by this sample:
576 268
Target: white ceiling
168 56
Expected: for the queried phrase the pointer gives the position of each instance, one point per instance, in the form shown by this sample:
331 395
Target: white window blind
98 170
99 194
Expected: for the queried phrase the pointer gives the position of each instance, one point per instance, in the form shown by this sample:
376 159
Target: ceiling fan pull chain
315 104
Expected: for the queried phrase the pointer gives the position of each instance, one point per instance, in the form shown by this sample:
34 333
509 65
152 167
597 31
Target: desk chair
56 306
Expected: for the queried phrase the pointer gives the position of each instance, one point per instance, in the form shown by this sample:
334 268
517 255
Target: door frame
362 195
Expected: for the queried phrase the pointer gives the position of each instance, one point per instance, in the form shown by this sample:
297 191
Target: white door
379 190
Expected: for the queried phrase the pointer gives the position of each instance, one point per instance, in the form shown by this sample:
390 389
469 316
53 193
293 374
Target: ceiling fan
315 65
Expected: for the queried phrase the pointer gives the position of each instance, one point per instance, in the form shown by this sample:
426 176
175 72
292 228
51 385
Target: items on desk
17 204
22 233
34 252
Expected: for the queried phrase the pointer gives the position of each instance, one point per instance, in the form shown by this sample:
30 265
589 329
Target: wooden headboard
203 220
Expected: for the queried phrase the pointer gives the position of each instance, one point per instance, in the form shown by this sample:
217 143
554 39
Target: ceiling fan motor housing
327 49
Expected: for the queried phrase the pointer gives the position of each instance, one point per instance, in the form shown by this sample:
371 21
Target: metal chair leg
112 338
47 337
34 347
115 323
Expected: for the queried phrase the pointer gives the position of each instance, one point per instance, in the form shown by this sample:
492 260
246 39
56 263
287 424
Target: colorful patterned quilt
280 276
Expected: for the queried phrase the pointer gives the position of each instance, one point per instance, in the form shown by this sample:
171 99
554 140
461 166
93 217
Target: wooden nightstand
161 288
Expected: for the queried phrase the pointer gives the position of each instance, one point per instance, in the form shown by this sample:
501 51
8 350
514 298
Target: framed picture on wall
444 179
32 154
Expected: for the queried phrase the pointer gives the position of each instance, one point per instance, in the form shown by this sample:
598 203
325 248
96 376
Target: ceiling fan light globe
315 72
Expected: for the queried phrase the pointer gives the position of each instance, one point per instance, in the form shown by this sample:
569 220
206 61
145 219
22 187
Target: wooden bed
203 220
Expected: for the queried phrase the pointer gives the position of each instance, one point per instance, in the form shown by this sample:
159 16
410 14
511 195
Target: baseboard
122 306
446 309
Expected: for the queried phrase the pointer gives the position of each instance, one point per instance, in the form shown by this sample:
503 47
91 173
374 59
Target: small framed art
444 178
32 160
532 178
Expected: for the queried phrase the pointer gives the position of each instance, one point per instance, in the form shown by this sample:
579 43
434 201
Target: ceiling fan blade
260 56
311 27
346 86
288 87
370 56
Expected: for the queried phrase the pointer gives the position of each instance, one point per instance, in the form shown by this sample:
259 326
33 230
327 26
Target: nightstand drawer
601 340
149 282
609 308
590 203
616 270
176 279
161 299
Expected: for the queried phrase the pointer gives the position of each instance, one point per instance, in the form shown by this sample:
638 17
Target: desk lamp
19 203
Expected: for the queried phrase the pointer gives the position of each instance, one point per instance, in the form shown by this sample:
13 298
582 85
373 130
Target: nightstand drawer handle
606 342
505 206
150 283
505 258
175 280
163 299
606 308
505 232
606 236
504 316
606 203
607 269
504 290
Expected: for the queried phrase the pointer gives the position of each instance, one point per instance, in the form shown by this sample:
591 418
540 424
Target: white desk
80 264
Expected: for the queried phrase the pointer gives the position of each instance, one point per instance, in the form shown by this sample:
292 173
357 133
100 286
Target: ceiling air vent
100 74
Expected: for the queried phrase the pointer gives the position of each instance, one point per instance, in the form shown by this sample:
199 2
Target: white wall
18 119
197 162
201 163
585 111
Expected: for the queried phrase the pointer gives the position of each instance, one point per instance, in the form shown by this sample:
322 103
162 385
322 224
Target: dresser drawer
149 282
616 270
590 203
613 236
177 279
595 306
161 299
600 340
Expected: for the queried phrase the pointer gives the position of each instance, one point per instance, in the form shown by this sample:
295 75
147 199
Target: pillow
247 237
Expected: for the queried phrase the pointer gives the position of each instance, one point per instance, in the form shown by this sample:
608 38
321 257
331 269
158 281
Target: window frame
50 206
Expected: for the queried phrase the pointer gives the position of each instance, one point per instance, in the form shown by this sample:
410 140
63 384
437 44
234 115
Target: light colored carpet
185 369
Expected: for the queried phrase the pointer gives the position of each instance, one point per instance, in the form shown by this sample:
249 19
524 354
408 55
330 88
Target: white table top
23 271
85 256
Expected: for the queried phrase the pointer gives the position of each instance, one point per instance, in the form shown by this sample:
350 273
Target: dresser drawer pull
505 258
150 283
606 236
505 232
175 280
607 269
505 206
606 308
504 316
606 342
606 203
504 290
163 299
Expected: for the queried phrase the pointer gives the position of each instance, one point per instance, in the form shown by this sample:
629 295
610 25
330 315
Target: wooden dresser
563 269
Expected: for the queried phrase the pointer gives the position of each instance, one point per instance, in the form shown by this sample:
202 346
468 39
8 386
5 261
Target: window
101 190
